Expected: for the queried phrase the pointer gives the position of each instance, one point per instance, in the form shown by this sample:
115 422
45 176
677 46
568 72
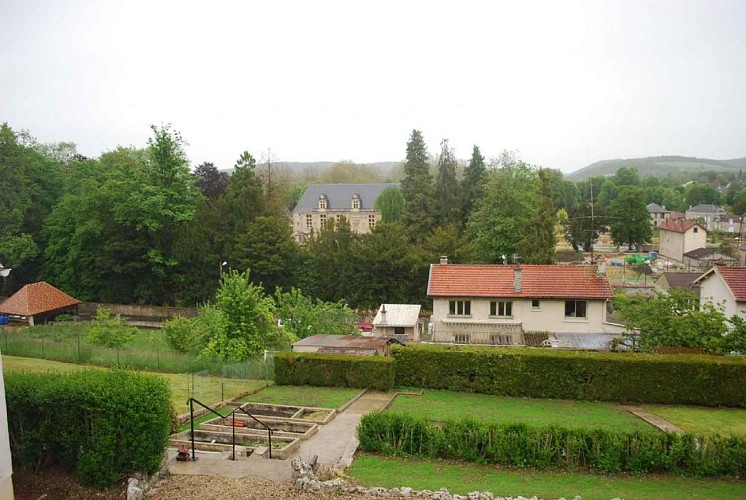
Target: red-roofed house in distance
38 303
724 286
518 305
680 236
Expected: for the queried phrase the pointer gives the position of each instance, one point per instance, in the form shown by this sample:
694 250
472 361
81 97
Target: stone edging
305 479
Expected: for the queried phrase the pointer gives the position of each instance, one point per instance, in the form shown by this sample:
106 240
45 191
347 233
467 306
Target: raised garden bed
282 447
246 425
315 415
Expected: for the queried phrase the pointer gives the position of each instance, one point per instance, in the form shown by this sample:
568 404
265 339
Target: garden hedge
104 423
335 370
606 376
598 450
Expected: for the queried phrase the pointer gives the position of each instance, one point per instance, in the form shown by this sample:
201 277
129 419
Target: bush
104 423
520 445
624 377
371 372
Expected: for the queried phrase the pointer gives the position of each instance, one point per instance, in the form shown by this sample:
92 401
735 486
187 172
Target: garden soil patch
59 484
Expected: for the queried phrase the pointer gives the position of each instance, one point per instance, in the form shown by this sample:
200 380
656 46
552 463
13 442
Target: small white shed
399 321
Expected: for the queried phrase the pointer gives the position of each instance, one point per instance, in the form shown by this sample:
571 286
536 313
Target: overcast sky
564 83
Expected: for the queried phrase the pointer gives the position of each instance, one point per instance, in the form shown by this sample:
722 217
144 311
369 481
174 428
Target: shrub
372 372
625 377
104 423
520 445
108 330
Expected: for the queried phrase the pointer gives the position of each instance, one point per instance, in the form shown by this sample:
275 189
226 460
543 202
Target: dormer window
322 201
356 201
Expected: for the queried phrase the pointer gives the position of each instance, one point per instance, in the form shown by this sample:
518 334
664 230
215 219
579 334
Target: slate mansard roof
562 282
339 196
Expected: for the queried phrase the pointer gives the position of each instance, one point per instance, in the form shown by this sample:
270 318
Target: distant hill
658 166
319 166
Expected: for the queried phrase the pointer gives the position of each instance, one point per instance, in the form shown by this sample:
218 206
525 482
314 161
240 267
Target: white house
680 236
724 287
322 203
397 320
505 305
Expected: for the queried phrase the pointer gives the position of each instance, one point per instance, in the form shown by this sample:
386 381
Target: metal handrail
191 402
269 430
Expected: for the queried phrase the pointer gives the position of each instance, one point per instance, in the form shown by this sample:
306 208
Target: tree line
136 225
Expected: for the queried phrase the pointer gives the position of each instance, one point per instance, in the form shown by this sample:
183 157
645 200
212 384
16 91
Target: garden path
655 420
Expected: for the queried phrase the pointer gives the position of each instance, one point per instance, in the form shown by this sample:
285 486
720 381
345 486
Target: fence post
79 357
222 385
158 358
42 346
5 333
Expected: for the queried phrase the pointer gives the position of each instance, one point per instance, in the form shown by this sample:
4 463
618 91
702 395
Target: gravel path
205 487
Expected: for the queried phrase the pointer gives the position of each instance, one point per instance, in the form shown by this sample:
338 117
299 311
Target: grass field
699 420
372 470
441 405
183 385
304 395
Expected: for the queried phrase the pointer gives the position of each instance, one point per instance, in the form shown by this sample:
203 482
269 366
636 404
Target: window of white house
322 220
355 203
535 304
695 229
398 330
309 221
322 201
459 307
497 339
576 309
462 338
501 308
339 219
371 221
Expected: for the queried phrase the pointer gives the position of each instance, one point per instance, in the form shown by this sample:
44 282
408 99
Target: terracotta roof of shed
734 277
36 298
678 225
463 280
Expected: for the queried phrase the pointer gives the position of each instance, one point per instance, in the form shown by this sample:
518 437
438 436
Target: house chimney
383 314
444 259
517 279
601 266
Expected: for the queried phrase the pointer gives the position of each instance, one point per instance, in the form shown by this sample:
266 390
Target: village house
724 287
658 214
710 215
345 344
680 236
509 305
705 258
677 280
322 203
400 321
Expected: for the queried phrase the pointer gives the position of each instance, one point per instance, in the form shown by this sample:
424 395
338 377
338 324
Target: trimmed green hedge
544 447
104 423
335 370
539 373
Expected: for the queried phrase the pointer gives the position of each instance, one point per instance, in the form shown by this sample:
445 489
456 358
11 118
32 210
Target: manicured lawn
442 405
700 420
461 478
304 395
183 385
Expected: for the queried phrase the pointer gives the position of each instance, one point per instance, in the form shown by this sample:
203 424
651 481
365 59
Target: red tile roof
578 282
36 298
678 225
734 277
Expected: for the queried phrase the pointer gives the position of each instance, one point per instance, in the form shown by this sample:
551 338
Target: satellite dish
5 271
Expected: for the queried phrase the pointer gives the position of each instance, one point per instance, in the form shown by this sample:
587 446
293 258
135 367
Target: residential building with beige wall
680 236
724 287
499 304
322 203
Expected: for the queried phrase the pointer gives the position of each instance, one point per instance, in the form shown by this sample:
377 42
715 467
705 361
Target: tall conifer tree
446 188
417 187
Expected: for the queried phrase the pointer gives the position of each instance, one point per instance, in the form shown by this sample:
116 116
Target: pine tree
472 187
417 187
446 188
539 245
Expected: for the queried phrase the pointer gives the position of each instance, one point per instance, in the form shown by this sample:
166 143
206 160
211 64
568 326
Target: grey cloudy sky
565 83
